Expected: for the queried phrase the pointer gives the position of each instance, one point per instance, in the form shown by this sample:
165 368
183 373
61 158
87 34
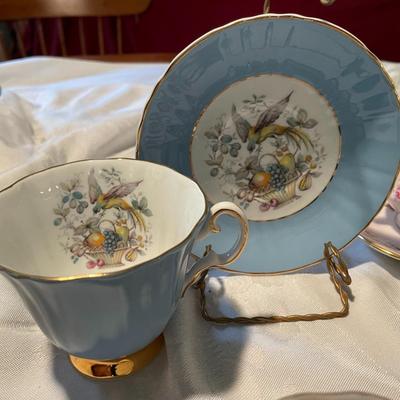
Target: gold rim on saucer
379 247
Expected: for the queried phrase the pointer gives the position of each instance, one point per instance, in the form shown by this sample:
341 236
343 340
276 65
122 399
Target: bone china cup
99 250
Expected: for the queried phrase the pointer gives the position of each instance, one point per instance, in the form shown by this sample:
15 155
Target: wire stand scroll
338 273
267 4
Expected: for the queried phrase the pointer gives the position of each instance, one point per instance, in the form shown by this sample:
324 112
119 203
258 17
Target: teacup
99 250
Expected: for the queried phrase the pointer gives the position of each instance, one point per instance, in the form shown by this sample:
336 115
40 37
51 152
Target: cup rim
23 275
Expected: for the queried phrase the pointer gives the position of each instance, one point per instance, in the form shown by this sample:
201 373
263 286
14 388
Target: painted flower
78 249
100 263
264 207
394 200
301 120
274 203
91 264
140 241
90 225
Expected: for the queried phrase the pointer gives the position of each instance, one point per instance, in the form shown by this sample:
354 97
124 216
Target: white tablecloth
53 111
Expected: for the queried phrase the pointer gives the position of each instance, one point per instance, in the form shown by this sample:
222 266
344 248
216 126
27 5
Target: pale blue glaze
351 80
109 317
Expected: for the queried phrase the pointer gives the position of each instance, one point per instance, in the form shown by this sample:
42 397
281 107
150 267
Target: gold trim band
111 369
379 247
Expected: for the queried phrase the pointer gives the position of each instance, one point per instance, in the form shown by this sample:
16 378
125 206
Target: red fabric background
170 25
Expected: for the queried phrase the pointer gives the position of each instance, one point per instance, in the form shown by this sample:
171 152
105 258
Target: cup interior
96 216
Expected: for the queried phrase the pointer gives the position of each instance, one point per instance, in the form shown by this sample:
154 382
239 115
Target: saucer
293 119
383 233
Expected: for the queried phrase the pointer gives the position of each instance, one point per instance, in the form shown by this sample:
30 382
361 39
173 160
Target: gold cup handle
211 258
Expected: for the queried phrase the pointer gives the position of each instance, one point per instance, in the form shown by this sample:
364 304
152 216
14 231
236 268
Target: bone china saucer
291 118
383 233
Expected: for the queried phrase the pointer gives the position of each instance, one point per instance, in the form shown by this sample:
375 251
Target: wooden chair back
18 12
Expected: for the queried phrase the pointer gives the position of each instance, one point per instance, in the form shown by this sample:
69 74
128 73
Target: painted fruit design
105 221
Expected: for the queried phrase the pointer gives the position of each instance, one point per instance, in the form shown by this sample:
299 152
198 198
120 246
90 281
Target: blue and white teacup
99 250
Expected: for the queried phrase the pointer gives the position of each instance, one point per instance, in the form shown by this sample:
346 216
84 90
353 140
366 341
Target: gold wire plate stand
339 276
110 369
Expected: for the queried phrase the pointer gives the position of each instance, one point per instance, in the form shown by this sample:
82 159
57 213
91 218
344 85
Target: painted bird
114 198
265 126
293 134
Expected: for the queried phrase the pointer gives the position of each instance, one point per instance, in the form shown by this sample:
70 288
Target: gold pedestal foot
109 369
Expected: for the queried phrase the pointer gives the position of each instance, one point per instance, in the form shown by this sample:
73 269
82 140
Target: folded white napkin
53 111
17 139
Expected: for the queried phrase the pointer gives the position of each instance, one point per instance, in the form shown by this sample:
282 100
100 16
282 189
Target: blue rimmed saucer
293 119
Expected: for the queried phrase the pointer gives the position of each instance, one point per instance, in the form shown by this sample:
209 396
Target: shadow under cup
98 251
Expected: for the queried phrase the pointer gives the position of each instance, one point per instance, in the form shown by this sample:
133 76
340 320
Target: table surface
61 110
